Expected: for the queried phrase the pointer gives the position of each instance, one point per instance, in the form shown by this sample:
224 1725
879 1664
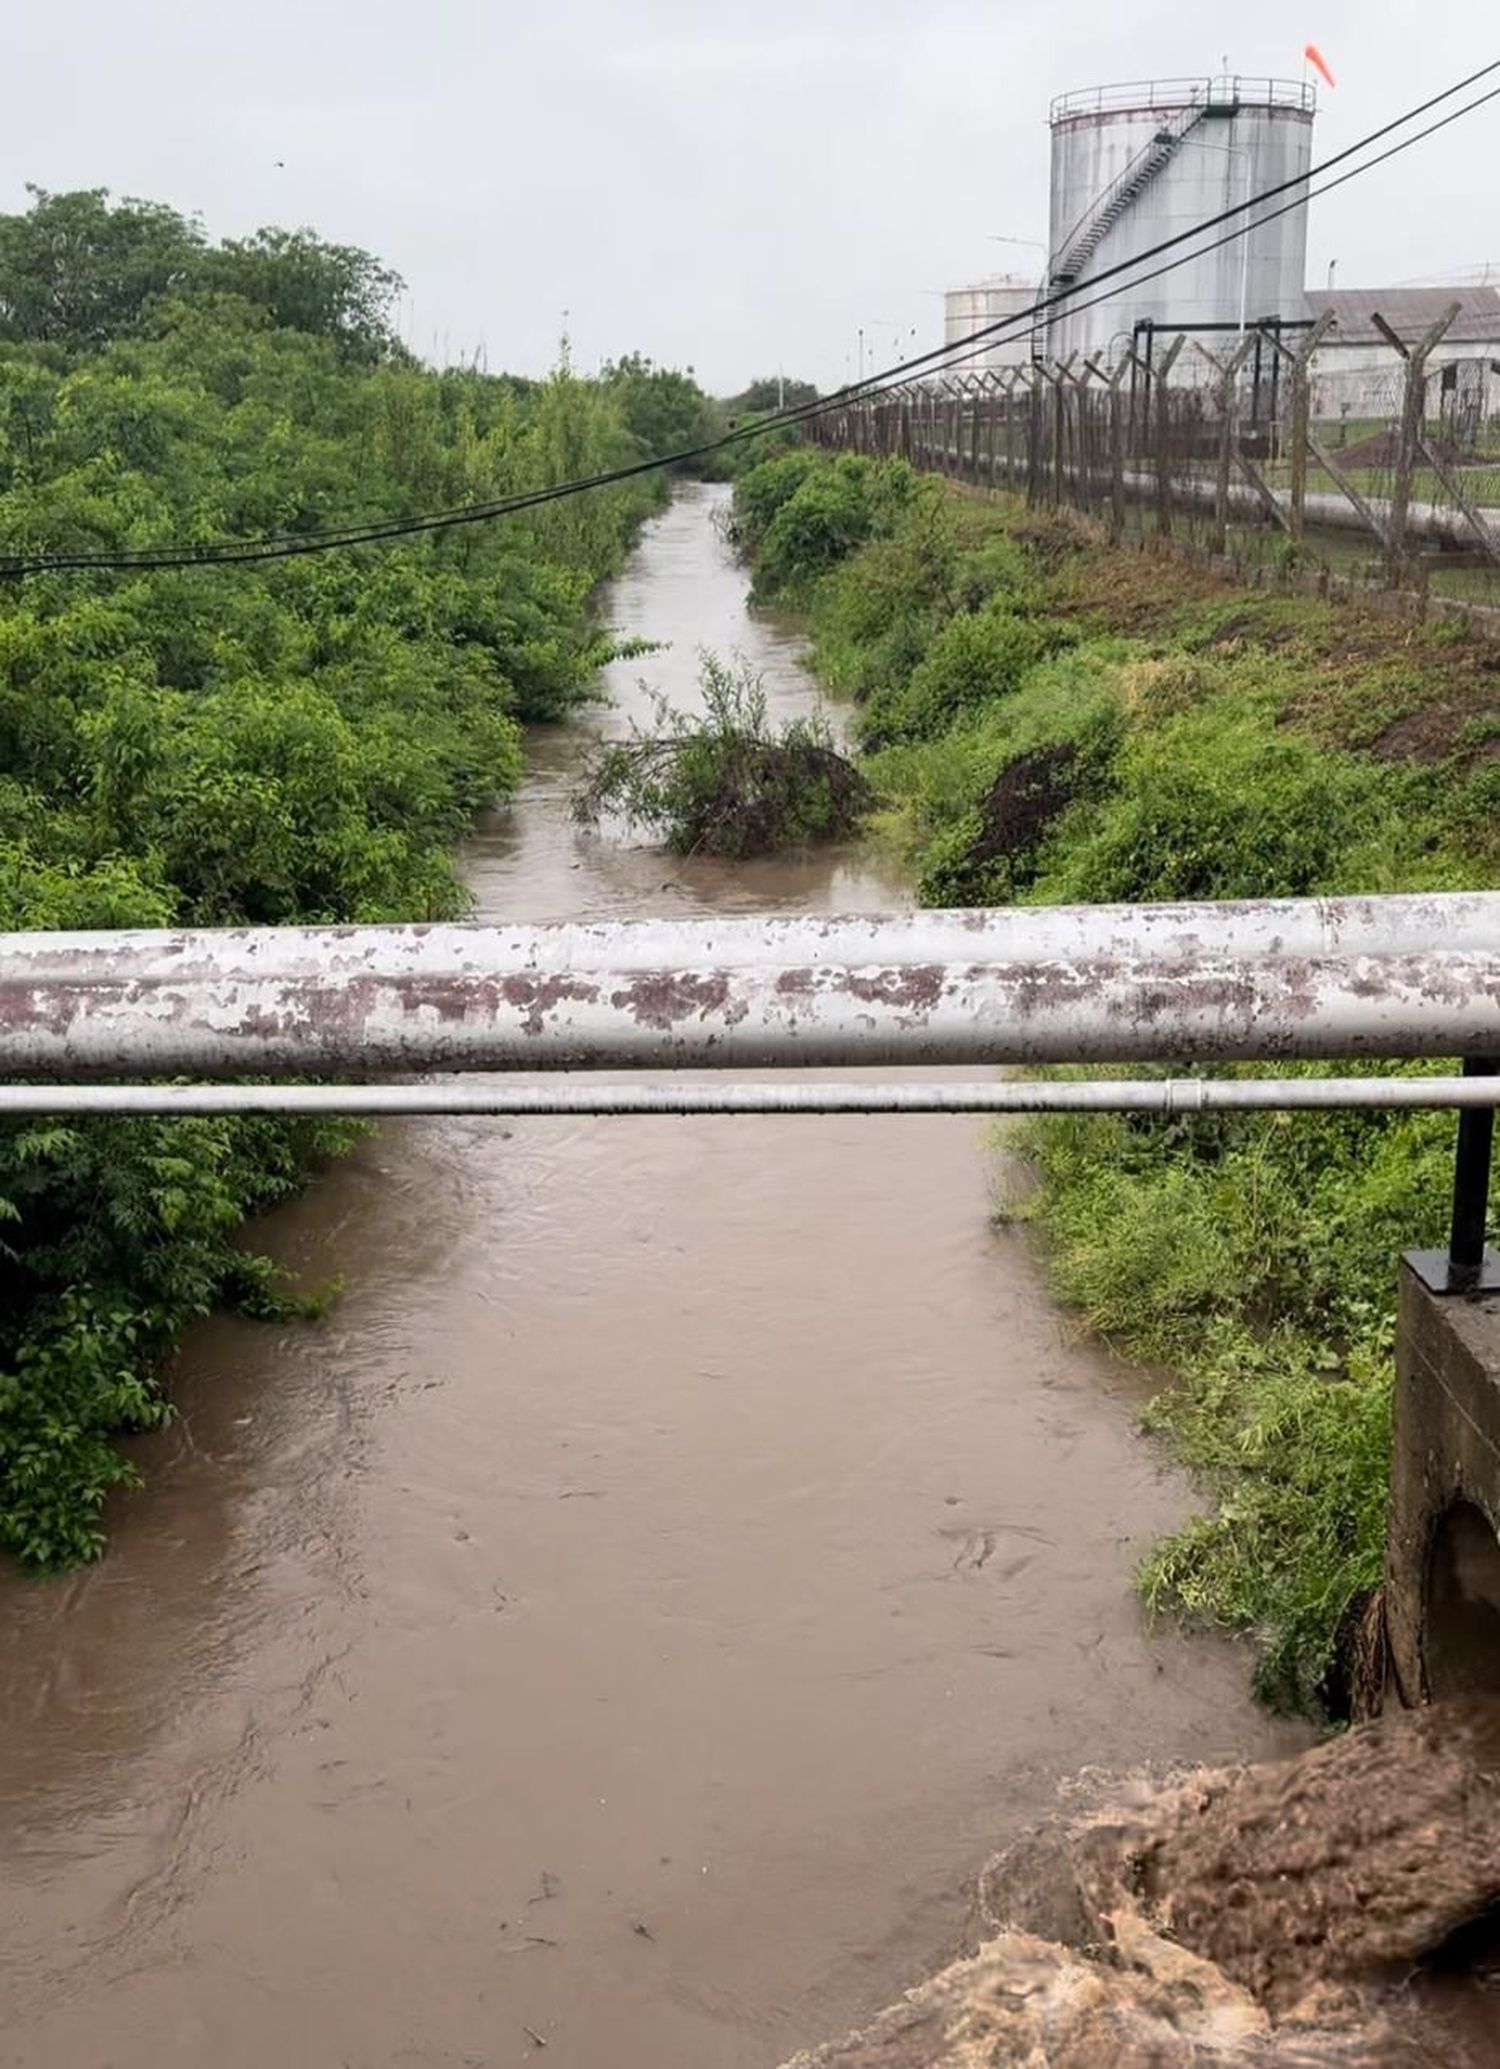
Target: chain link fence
1376 468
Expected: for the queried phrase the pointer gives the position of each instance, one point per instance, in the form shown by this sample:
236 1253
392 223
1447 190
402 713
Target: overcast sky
735 188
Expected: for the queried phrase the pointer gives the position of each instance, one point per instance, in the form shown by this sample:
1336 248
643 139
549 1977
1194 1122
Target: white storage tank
970 309
1134 165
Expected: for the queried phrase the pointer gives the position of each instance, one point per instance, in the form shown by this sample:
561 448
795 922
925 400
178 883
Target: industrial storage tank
975 308
1134 165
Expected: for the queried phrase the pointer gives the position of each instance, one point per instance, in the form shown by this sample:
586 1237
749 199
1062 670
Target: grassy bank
1047 719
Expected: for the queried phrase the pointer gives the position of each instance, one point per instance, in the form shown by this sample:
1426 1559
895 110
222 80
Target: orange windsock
1315 56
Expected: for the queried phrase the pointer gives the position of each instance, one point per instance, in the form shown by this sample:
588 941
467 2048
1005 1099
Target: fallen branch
726 781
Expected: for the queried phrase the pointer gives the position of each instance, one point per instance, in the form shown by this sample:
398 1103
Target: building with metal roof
1358 372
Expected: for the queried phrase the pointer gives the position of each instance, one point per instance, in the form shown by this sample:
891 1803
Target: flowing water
687 1548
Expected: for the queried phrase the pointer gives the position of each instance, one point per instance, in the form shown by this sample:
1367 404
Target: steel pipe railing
1325 978
1412 977
679 1096
367 1019
1406 924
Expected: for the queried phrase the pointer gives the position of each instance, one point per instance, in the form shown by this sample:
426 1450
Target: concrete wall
1442 1609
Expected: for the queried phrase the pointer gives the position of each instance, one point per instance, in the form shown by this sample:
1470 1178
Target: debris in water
1270 1917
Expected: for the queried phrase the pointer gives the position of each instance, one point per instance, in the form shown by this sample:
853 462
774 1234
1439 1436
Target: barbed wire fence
1281 453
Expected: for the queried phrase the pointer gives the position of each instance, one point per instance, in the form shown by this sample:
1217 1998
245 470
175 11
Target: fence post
1162 371
1117 449
992 402
1010 428
1036 381
1228 391
1413 405
1302 422
1220 541
1305 446
1083 443
975 392
1058 378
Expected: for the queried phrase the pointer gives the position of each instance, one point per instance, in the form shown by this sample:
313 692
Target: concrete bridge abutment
1442 1593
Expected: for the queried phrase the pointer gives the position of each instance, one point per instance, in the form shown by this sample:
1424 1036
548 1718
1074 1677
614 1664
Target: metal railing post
1467 1256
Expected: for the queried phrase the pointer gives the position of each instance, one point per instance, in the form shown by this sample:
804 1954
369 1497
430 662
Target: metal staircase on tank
1092 229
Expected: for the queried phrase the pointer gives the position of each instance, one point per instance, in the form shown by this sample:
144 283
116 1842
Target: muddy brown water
686 1550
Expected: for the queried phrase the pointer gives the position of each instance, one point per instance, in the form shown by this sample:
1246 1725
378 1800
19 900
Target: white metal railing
1412 977
1404 977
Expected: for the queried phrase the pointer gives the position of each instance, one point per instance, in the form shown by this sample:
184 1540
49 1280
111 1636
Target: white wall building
1358 373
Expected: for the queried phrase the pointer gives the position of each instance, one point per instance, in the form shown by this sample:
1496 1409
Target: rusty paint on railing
1295 979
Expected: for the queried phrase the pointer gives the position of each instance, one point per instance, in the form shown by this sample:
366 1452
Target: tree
327 290
76 271
773 392
667 410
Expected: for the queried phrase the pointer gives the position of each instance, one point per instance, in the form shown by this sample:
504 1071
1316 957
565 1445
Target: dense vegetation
727 780
300 740
1052 720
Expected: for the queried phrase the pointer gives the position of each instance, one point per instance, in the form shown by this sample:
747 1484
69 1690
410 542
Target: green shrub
978 658
299 740
831 509
875 620
762 489
1217 803
971 796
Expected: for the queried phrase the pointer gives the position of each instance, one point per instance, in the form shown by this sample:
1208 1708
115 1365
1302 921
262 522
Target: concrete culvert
1462 1621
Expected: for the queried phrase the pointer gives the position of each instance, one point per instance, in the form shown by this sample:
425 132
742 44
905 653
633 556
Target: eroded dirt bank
1337 1907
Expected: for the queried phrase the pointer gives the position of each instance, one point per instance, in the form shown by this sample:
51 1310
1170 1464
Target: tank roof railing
1224 89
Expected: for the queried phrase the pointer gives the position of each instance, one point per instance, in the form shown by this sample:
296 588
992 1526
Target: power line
294 545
